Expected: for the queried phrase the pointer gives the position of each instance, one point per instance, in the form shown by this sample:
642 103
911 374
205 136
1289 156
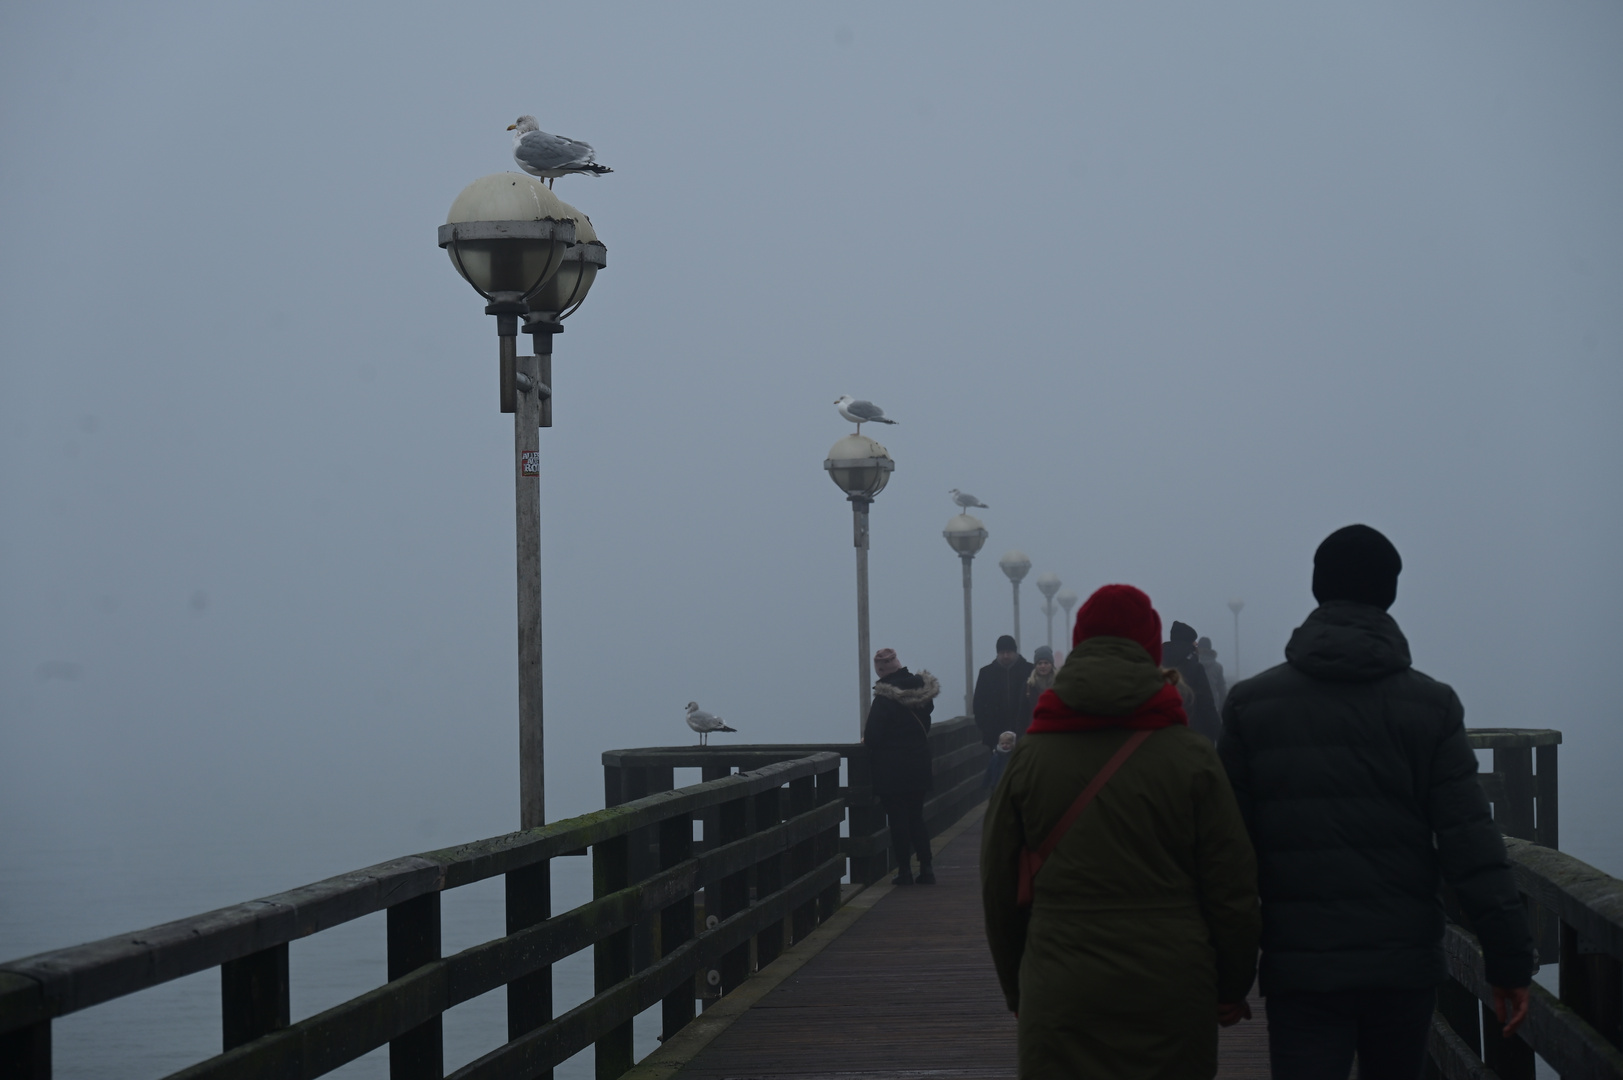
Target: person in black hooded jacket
1359 789
897 736
1181 653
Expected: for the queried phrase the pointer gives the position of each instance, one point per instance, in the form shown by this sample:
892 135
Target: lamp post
1048 585
1016 566
1235 605
965 535
861 468
1067 600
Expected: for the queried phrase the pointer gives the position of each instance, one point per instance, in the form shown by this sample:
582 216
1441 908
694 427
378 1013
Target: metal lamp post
530 255
1048 585
1016 566
1235 605
1067 600
966 535
861 468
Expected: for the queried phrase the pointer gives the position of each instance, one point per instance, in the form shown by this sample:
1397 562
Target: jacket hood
1343 641
906 688
1108 676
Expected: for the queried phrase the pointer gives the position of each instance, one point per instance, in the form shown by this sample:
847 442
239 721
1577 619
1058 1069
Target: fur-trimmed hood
914 695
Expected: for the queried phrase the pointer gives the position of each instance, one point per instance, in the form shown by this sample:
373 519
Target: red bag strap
1089 792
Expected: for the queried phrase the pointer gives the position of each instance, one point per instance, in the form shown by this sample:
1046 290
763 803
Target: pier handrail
774 868
958 761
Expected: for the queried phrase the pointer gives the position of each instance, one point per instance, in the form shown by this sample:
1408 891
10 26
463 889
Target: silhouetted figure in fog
1360 792
898 739
1041 677
1214 672
1000 693
1180 653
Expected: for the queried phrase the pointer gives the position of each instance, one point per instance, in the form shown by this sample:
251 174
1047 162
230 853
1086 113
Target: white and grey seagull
966 500
551 156
704 723
861 412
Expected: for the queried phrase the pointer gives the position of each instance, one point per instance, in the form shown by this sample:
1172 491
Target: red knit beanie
1120 611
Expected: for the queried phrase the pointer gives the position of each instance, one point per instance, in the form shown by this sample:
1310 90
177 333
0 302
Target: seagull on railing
968 502
861 412
704 723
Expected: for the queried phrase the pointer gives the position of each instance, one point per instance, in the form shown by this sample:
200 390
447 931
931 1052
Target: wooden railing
958 760
770 870
1576 913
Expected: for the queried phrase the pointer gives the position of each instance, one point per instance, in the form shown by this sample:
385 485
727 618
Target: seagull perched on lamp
551 156
704 723
861 412
968 502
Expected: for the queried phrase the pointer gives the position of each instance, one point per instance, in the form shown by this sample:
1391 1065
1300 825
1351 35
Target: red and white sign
529 463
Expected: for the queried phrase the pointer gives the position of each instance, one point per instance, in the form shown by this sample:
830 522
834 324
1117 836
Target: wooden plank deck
907 990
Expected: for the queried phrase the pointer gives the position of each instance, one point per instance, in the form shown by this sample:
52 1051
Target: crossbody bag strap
1093 788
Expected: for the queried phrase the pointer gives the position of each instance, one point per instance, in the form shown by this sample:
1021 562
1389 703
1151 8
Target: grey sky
1175 289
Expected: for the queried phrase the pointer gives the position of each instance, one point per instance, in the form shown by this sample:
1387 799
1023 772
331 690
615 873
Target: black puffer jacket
898 730
1348 764
1000 699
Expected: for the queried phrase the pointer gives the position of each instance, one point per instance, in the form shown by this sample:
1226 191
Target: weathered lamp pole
1067 600
1016 566
965 535
861 468
1048 585
1235 605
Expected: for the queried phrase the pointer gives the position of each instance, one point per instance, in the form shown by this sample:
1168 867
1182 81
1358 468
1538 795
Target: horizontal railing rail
773 872
958 762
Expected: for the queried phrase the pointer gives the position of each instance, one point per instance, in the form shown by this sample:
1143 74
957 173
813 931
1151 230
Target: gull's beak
512 127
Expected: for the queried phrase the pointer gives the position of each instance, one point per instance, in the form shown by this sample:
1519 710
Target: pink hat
885 662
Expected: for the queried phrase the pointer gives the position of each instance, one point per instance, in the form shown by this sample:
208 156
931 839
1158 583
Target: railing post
253 996
529 903
709 817
414 940
1592 986
1459 1007
803 856
866 818
768 876
1547 791
731 894
1514 815
828 841
25 1053
611 956
676 921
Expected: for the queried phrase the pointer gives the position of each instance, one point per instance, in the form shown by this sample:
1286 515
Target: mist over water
1175 291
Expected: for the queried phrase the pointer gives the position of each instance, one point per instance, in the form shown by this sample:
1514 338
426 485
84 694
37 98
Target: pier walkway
904 978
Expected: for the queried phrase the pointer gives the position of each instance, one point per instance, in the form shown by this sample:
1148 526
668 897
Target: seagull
861 412
704 723
966 501
551 156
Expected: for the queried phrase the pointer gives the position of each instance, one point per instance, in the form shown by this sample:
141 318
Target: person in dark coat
1360 792
1142 933
897 735
1041 677
1000 693
1214 672
1181 654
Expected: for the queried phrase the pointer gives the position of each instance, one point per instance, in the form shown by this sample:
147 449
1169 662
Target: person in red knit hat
1137 935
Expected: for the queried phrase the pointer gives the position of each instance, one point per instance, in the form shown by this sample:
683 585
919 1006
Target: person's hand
1512 1000
1230 1013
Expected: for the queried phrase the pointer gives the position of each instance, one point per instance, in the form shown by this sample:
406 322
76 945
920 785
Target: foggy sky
1176 289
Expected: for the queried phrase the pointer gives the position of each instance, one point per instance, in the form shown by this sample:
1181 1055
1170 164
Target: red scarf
1162 709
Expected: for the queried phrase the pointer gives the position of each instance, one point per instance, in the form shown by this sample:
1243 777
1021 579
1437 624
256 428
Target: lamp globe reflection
1016 565
1048 585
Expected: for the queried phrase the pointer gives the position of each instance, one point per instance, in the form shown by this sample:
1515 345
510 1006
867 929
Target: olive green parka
1145 916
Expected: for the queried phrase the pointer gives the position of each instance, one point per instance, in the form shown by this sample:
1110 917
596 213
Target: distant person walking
1355 777
897 738
999 759
1041 678
1180 653
1141 934
1000 693
1214 671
